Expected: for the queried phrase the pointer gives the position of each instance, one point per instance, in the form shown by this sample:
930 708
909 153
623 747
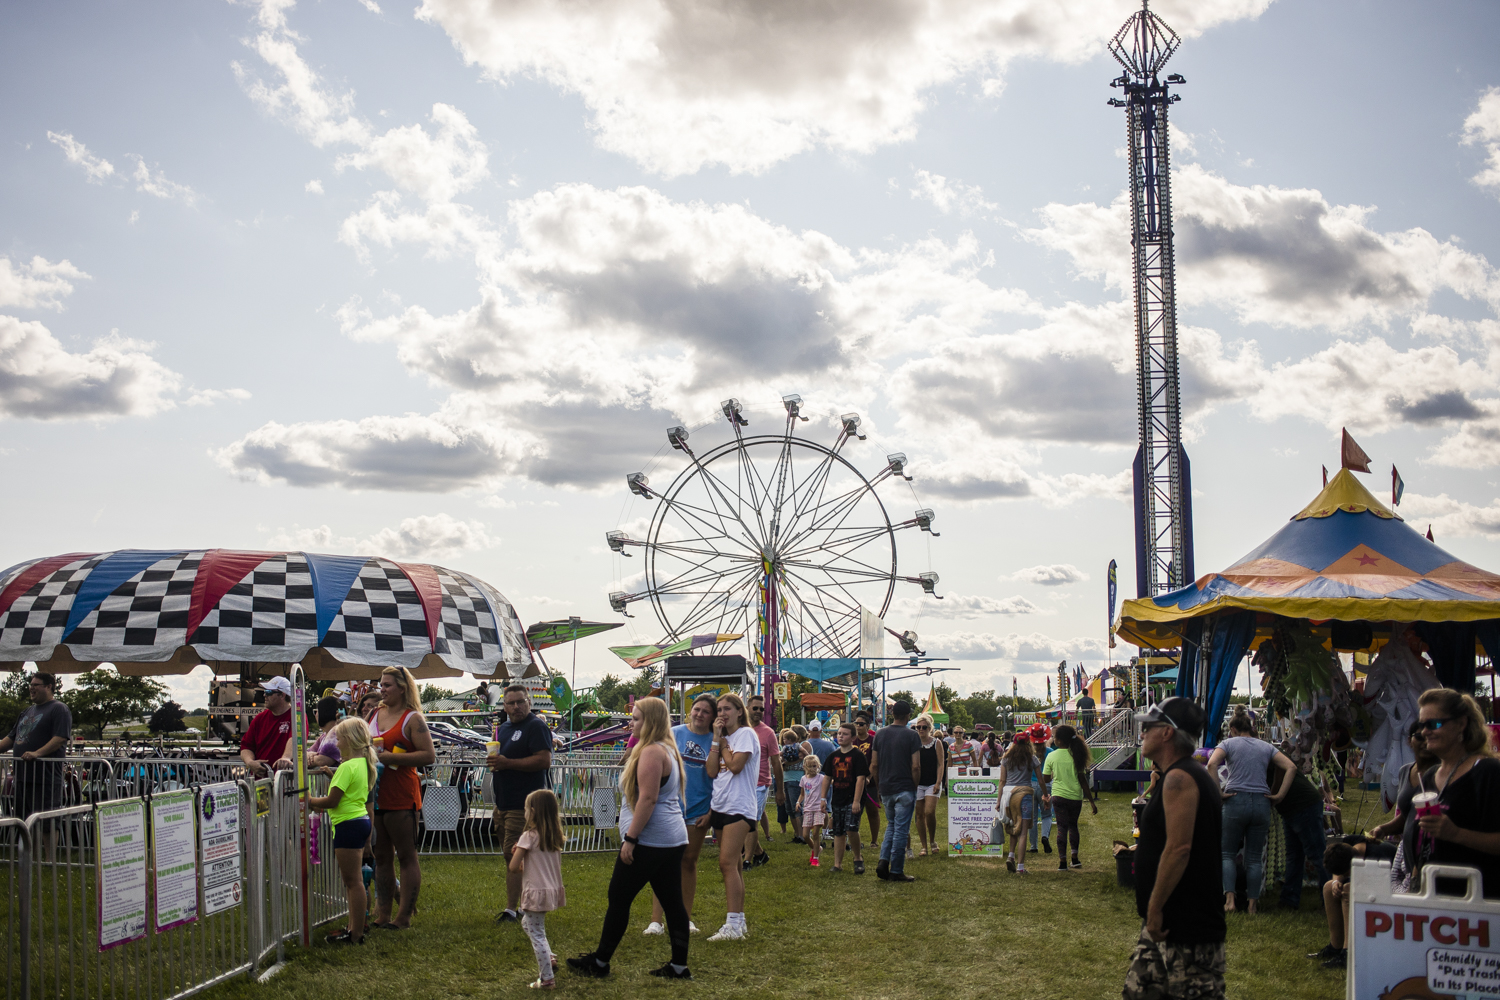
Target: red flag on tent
1353 456
1429 533
1325 475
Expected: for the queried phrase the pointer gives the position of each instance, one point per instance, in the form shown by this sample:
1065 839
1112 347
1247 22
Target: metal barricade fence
458 807
12 842
63 953
27 786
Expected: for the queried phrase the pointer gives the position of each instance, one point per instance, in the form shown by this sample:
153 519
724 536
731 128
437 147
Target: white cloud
1282 256
40 284
1055 575
41 379
94 167
680 86
158 185
319 539
966 199
207 397
1482 128
1035 648
314 187
1450 517
370 5
969 606
436 536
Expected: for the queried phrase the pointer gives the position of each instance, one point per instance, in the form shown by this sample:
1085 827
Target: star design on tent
1368 560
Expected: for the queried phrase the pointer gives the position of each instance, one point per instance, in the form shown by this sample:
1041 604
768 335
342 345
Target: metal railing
458 807
57 942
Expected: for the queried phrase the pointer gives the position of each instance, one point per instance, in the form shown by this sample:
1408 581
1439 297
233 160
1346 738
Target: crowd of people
1203 828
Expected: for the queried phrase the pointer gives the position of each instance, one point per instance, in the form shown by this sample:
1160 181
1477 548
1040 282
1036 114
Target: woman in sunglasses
1465 828
932 766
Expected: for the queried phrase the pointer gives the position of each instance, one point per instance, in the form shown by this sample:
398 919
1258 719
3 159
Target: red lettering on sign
1400 928
1467 933
1416 920
1439 937
1376 922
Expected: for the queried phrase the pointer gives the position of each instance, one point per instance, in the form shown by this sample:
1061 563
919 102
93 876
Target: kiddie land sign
1421 946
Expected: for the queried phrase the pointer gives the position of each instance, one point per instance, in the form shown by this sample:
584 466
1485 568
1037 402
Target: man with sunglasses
770 777
1180 952
864 742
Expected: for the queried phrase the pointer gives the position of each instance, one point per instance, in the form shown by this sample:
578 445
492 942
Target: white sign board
174 856
972 794
219 846
1421 944
120 831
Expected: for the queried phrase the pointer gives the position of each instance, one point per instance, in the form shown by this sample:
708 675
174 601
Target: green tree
168 718
909 698
614 693
958 715
982 706
431 693
104 697
15 697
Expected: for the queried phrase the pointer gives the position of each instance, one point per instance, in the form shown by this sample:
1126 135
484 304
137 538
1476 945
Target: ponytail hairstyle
656 730
1067 739
353 736
1240 722
544 816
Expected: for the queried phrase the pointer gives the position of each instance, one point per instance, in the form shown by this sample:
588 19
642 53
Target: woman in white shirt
733 764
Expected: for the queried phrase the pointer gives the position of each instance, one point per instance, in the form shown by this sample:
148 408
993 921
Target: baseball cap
278 684
815 726
1183 714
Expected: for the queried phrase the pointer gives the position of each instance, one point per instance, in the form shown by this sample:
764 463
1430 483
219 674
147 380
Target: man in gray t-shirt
37 742
897 753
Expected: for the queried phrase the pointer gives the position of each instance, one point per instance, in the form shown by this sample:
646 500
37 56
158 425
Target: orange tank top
400 787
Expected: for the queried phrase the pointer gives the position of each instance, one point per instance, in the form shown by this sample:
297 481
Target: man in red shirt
266 742
770 777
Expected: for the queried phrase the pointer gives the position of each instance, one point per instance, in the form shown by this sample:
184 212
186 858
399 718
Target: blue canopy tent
1345 557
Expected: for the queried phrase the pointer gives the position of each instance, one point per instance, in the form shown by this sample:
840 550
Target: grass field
966 928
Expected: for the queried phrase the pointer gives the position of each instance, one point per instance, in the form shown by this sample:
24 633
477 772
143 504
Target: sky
428 282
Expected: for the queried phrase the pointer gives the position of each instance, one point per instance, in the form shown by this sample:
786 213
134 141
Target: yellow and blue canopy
1345 556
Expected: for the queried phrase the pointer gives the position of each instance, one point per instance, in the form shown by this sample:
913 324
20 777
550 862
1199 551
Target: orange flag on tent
1354 457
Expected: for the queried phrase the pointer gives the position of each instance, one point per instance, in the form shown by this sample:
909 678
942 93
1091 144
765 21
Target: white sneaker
730 932
692 928
654 928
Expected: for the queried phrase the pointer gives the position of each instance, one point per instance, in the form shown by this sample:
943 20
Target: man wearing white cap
265 744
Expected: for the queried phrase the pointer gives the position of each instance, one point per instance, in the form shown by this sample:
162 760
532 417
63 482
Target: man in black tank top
1180 954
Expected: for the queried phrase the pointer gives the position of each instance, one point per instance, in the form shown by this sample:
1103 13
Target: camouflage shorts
1167 971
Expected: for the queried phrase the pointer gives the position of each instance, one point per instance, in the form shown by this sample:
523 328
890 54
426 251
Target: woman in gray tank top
653 837
1247 805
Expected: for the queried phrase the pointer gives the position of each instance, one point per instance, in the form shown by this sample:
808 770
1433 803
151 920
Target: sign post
972 827
1421 944
120 833
299 761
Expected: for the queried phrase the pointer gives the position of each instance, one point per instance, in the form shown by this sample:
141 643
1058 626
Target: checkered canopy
177 608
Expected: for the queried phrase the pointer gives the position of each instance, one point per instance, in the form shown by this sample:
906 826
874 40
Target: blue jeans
1247 820
1304 842
898 809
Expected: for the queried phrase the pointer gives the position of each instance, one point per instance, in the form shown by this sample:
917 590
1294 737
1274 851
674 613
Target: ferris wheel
774 536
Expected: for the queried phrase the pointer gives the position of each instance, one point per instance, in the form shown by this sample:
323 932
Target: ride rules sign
219 846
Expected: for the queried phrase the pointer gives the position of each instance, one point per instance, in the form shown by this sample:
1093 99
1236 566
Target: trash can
1124 865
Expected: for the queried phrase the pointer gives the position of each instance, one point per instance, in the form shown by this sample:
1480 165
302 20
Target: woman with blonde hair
402 745
734 764
653 837
348 807
1464 783
931 756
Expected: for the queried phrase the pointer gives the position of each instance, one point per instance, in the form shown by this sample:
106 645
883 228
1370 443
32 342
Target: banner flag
1398 487
1352 456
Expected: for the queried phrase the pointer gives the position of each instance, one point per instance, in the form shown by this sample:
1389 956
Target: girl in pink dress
814 804
538 856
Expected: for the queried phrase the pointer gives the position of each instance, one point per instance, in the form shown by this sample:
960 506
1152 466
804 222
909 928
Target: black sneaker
588 966
798 840
507 917
1062 866
1328 952
667 972
1046 846
859 867
1338 961
1074 862
745 866
760 859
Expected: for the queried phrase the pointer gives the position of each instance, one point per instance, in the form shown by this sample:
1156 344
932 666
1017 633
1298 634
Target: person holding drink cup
520 756
1456 811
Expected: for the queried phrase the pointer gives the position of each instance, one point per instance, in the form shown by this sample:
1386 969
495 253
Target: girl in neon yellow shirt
348 806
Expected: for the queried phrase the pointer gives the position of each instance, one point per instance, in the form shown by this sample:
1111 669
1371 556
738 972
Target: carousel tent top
166 611
1346 557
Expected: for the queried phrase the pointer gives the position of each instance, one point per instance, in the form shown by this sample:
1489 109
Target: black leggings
1066 812
661 868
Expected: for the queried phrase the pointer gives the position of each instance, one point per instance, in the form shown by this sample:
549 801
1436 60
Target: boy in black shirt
847 771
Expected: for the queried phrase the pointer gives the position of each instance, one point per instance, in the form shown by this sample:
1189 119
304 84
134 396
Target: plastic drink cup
1426 804
492 748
